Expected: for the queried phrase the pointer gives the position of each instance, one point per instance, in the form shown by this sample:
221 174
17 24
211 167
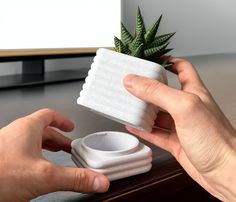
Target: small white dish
109 143
119 173
114 154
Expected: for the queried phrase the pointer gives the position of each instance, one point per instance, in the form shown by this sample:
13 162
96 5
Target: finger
170 69
166 58
164 120
187 74
158 137
153 91
55 141
77 179
48 117
169 143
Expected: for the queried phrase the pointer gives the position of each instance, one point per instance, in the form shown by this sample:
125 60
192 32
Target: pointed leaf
166 61
138 40
120 47
155 50
168 64
138 52
126 37
151 33
164 51
139 23
117 43
160 40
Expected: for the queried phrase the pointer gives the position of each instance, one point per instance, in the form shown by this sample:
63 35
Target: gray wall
202 26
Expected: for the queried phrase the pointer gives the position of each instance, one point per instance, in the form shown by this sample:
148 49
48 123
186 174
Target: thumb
77 180
153 91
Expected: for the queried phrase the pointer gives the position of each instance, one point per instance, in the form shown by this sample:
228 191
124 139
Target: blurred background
202 27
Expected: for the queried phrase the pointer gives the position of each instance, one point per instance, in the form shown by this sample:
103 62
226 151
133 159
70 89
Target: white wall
202 26
40 24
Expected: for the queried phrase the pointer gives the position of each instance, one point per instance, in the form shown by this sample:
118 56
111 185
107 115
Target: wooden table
166 181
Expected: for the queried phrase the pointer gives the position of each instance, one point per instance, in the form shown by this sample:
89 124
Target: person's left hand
26 174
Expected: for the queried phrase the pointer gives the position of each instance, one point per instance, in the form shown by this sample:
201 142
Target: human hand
25 174
191 127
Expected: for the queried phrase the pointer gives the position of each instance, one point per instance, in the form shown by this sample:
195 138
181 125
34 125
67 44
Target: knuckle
81 180
150 88
184 63
46 110
30 122
191 102
30 119
43 115
46 172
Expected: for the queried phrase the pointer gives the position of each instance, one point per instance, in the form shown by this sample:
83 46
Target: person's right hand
24 172
194 130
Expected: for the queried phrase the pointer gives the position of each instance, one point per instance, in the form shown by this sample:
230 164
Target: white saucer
118 172
114 154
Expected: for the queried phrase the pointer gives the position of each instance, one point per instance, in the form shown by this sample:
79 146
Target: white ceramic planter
104 93
114 154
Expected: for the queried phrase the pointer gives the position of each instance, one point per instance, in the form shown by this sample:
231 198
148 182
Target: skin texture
25 174
191 127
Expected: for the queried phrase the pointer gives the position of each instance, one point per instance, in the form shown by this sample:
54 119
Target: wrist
223 179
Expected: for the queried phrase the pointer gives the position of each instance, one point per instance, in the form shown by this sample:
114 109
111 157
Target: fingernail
96 184
129 80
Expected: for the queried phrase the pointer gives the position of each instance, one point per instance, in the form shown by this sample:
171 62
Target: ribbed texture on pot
104 93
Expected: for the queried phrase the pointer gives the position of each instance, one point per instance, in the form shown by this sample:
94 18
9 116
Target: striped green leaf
155 50
117 43
138 52
160 40
140 27
126 37
138 40
168 64
151 33
120 47
143 44
164 51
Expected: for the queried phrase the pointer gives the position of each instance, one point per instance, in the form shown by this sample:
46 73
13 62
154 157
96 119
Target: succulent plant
144 44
